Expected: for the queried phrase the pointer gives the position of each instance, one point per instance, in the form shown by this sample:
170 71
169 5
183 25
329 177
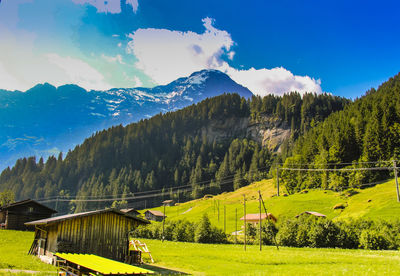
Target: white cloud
109 6
165 55
274 81
116 59
77 72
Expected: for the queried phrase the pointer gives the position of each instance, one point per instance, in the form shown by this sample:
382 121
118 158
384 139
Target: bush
372 239
287 233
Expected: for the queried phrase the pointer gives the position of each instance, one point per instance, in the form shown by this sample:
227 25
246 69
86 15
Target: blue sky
341 47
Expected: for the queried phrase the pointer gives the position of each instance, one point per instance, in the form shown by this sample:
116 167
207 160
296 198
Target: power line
231 177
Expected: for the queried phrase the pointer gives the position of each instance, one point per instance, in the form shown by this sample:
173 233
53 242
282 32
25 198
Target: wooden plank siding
104 234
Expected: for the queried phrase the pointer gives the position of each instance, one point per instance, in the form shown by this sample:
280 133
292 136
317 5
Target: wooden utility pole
163 223
277 181
395 179
218 209
244 211
259 221
224 218
236 225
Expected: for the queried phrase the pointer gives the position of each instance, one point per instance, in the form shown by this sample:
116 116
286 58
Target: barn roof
156 213
250 217
24 202
84 214
311 213
128 210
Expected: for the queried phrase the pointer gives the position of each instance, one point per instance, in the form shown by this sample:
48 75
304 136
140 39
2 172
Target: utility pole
277 181
236 226
56 203
224 218
244 211
265 209
395 179
259 222
218 209
163 223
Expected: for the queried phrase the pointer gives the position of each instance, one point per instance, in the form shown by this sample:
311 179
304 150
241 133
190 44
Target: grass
14 247
376 202
205 259
209 259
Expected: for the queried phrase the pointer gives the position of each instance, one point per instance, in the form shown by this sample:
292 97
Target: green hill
378 202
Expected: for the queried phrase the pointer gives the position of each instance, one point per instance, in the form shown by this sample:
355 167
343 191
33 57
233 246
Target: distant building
103 232
14 215
130 211
255 218
311 213
169 202
154 215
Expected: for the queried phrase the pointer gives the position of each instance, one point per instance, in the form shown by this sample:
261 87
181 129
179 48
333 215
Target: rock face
268 132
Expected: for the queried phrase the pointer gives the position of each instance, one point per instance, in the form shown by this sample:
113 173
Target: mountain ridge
46 119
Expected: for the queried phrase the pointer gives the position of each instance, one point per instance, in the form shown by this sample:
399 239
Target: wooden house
131 211
255 218
154 215
103 232
14 215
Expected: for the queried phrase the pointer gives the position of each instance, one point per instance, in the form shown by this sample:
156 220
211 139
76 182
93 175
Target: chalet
255 218
154 215
130 211
14 215
103 232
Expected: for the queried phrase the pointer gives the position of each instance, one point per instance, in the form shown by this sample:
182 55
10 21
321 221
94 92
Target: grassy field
207 259
376 202
203 259
14 247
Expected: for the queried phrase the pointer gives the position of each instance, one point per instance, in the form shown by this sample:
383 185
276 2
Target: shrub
372 239
287 233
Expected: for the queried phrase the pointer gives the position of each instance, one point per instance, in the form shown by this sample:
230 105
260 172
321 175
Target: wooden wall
104 234
16 216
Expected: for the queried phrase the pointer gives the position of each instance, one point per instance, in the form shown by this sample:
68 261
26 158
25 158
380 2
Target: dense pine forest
204 148
365 134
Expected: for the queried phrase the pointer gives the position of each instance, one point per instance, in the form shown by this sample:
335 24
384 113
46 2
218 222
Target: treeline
304 231
202 144
366 130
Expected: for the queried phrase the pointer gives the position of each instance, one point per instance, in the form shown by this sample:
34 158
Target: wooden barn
14 215
104 233
130 211
154 215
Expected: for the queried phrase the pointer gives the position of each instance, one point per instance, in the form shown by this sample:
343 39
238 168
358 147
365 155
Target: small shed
312 213
168 202
103 232
154 215
14 215
130 211
255 218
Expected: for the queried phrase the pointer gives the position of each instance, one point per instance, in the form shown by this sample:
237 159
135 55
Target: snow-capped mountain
45 120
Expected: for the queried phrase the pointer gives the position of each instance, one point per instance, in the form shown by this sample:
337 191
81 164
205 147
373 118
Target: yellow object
102 265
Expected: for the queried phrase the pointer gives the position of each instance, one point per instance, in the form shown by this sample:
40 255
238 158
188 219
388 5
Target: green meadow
378 202
224 259
230 259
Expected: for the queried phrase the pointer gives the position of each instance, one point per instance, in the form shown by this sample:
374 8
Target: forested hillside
366 131
207 143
